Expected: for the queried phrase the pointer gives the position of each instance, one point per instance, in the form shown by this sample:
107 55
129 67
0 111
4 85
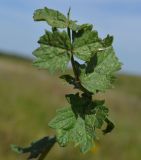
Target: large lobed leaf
78 123
53 53
54 18
65 119
103 72
86 45
87 42
56 39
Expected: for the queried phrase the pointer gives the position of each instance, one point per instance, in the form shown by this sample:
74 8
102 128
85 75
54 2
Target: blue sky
121 18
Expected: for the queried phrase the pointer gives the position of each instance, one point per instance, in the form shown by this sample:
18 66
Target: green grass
29 98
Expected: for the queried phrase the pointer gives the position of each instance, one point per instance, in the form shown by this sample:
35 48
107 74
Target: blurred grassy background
29 98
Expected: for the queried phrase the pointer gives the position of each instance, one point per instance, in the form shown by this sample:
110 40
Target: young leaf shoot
67 41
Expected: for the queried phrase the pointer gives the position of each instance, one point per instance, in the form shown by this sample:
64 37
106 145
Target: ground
29 98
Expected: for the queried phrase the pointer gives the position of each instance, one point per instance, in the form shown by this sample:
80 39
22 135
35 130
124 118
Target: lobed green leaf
102 76
56 39
79 122
51 58
53 17
65 119
53 53
86 45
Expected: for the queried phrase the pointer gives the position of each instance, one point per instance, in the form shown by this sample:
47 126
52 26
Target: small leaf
108 41
110 126
53 17
38 149
83 28
87 45
16 148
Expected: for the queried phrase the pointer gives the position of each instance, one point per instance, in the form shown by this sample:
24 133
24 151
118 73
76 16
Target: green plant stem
75 71
76 74
68 29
